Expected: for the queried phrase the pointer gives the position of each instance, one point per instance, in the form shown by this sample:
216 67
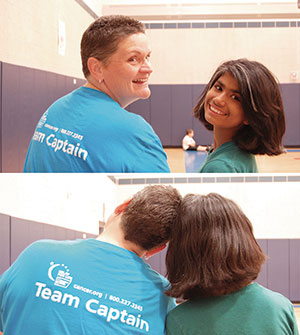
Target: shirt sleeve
152 150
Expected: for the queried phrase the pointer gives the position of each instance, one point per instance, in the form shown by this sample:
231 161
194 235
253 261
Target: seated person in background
212 262
242 105
188 142
89 130
95 286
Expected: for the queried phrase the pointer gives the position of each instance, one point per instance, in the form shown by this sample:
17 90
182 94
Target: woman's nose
146 67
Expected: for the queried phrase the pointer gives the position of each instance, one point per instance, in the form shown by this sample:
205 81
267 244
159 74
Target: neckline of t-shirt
113 247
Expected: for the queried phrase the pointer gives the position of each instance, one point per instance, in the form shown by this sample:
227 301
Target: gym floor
186 162
297 313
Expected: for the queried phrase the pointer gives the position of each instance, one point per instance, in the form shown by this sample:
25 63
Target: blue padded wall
280 273
278 266
161 112
141 107
263 275
24 232
294 252
157 262
26 94
4 242
172 106
202 135
291 100
182 100
16 234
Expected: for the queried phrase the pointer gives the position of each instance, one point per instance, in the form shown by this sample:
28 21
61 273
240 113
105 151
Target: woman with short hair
89 129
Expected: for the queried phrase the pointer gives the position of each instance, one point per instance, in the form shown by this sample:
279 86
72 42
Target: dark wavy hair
261 102
101 39
150 216
212 250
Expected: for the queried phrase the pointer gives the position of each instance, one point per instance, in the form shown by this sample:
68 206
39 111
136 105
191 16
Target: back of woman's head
149 217
101 39
212 250
261 102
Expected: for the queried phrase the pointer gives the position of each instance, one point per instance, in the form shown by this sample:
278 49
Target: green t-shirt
253 310
228 158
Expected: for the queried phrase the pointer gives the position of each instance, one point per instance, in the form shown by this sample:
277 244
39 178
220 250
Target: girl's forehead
228 80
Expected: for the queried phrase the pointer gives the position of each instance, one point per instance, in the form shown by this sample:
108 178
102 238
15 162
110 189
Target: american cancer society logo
43 120
60 275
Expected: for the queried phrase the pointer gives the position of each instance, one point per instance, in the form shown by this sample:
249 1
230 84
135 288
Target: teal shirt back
253 310
82 287
228 158
87 131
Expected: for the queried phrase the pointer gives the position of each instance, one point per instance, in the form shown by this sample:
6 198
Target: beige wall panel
29 37
190 56
159 10
29 34
272 207
73 201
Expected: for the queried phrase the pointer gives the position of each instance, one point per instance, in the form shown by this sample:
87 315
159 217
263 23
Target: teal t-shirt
228 158
87 131
254 310
82 287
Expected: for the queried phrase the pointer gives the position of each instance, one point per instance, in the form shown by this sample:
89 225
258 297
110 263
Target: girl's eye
218 87
133 59
236 97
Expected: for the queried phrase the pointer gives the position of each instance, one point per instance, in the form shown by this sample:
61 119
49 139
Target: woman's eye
133 59
236 97
218 87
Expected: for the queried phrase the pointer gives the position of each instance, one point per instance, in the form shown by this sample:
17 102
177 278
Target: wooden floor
286 163
297 313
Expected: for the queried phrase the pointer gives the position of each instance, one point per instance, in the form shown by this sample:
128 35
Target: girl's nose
220 99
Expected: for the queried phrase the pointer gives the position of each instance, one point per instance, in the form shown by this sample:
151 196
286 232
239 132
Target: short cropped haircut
261 102
189 130
149 217
102 37
212 250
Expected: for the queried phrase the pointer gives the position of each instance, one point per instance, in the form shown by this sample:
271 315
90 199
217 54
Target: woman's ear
122 207
154 251
95 67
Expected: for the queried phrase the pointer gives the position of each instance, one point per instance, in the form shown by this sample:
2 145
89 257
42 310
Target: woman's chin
145 94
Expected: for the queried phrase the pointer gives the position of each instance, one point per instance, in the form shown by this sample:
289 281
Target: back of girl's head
261 102
212 250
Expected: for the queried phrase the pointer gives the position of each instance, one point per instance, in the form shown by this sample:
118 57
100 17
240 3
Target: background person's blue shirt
87 131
